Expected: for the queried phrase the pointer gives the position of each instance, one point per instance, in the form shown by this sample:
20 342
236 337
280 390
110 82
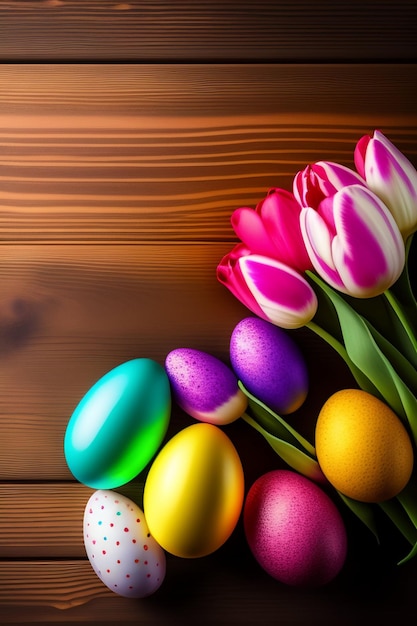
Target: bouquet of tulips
333 255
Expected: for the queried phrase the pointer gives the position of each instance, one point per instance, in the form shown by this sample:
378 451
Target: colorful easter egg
204 387
194 491
294 529
119 424
120 547
270 364
362 446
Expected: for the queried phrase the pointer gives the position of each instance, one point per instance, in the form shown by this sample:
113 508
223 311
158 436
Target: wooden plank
184 91
45 520
57 584
158 30
143 153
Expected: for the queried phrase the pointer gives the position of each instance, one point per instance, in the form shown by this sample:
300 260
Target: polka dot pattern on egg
120 547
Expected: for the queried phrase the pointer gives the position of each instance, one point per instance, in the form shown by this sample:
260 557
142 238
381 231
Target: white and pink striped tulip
391 176
270 289
354 242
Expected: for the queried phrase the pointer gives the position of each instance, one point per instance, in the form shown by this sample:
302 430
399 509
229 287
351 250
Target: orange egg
363 448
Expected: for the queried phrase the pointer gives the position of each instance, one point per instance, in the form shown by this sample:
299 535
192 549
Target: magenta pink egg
294 529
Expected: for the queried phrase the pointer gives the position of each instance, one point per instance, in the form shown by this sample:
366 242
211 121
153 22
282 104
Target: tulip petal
318 242
394 179
321 180
366 255
334 176
230 275
280 214
284 296
360 154
368 250
250 228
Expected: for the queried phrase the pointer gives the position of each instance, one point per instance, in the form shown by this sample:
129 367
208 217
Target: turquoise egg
119 424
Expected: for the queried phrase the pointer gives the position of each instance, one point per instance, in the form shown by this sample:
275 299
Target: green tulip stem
396 516
401 316
407 499
360 376
292 455
334 343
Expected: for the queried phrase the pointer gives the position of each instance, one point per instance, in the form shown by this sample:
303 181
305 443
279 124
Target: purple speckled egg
270 364
204 387
294 530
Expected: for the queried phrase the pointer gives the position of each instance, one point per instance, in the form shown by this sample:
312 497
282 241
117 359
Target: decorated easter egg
270 364
194 490
120 547
294 530
119 424
204 387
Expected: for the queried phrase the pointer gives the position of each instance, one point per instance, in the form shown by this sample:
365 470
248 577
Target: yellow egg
193 494
362 446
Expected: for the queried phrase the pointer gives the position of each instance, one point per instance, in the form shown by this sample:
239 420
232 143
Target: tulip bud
391 176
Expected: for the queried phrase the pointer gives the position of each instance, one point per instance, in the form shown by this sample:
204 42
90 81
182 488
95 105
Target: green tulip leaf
402 366
403 292
291 455
387 317
361 378
408 499
363 511
401 520
409 556
275 424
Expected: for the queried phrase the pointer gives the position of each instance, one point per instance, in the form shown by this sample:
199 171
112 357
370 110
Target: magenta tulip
273 229
270 289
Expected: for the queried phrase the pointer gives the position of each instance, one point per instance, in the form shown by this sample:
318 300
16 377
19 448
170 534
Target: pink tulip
353 241
391 176
273 229
269 288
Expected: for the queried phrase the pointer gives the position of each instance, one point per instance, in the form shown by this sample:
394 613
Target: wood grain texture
127 154
45 520
157 30
116 188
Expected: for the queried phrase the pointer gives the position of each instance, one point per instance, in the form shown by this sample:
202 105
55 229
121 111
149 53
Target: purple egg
270 364
204 387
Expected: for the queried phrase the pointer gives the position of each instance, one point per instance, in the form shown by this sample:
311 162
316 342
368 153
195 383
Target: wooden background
117 180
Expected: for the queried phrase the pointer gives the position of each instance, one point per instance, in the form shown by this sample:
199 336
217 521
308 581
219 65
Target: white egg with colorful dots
120 547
